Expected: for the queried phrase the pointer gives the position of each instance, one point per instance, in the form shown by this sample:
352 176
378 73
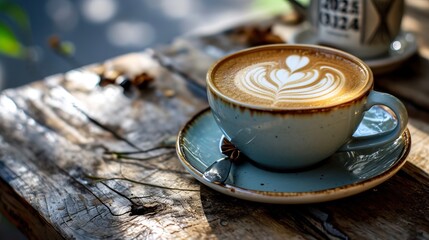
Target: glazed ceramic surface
279 137
402 48
340 175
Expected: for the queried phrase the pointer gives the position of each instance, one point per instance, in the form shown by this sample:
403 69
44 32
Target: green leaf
271 6
276 6
15 13
67 48
9 44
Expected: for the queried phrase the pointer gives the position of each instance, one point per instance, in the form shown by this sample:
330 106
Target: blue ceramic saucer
341 175
402 48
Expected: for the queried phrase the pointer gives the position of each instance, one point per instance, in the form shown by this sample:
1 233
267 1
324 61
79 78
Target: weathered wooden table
68 167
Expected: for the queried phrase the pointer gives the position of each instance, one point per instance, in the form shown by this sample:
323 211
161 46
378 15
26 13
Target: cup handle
398 108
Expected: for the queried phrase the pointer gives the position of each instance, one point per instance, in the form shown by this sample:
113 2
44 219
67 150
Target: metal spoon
219 170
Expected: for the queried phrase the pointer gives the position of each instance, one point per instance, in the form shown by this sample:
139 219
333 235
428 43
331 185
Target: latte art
288 77
291 82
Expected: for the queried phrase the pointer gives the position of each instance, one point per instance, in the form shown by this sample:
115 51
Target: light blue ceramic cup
293 138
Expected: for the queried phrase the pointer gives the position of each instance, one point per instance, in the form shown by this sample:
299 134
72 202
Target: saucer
402 48
341 175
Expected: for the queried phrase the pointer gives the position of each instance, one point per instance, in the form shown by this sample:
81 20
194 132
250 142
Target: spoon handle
218 171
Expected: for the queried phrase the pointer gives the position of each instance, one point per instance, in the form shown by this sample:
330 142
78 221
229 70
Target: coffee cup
364 28
288 107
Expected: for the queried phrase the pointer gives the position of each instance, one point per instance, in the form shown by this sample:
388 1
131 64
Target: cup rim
364 92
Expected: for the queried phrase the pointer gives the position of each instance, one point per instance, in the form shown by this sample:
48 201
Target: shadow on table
396 208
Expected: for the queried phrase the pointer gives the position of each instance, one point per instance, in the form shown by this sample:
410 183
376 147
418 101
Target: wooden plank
57 152
54 157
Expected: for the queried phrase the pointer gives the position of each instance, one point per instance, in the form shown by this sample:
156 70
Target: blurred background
94 30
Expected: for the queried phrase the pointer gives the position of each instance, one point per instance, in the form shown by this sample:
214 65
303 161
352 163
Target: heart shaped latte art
293 83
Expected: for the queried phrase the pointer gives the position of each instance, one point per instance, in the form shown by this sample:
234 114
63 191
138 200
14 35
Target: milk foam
292 82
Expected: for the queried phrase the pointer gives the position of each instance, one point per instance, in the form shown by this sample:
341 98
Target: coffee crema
289 78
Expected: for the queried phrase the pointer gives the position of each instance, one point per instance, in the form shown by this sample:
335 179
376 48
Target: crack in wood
144 209
127 157
100 179
149 167
104 127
